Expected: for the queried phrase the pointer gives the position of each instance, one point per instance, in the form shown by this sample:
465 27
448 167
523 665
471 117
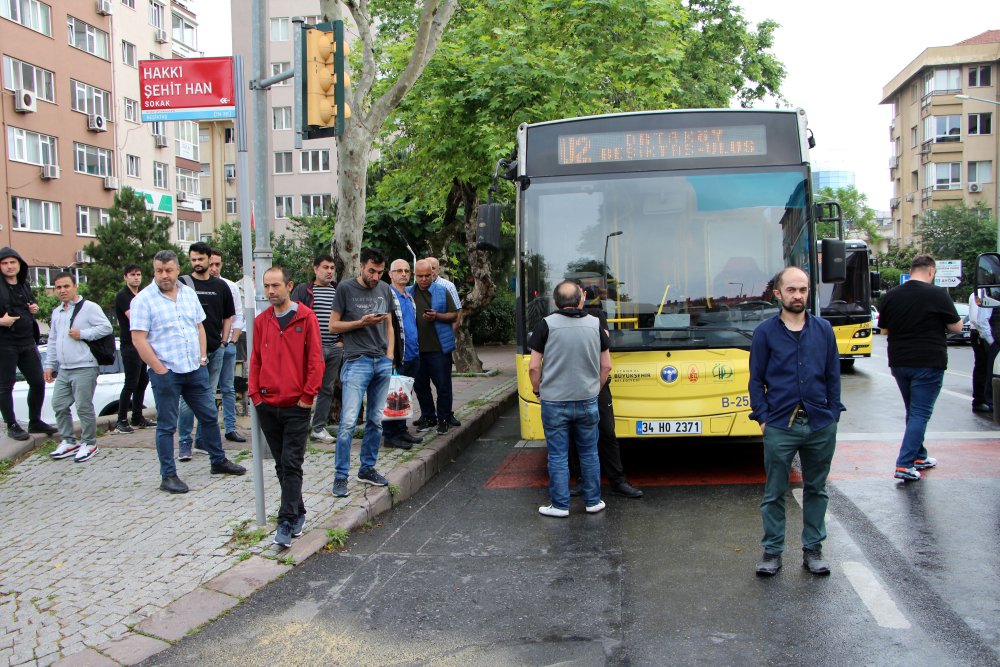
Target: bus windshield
675 259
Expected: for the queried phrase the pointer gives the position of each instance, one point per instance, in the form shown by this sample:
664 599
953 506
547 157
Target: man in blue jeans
916 318
436 312
167 331
227 376
360 314
570 362
795 397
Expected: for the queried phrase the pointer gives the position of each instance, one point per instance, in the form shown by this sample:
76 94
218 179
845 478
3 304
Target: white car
875 328
110 383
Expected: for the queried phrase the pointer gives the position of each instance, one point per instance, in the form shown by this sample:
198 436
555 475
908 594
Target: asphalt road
467 573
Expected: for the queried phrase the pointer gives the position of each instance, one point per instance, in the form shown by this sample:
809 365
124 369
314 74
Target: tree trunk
352 186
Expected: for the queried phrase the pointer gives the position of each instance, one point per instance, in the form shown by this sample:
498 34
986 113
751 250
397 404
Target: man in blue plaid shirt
167 330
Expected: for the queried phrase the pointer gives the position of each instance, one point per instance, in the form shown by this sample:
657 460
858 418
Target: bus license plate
668 427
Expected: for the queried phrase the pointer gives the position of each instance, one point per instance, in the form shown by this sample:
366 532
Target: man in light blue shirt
167 330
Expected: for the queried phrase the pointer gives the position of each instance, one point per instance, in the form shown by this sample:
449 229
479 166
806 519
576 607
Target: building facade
944 148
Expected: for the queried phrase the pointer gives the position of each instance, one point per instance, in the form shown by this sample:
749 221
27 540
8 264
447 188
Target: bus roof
798 110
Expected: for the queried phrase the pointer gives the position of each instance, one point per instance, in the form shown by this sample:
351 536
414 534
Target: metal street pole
996 162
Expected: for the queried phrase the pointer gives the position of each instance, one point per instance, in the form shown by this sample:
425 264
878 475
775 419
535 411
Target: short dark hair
201 248
323 258
129 268
779 277
165 256
215 252
64 274
922 263
286 275
565 298
373 255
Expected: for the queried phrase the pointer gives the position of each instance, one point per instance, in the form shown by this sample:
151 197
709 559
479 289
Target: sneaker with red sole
924 464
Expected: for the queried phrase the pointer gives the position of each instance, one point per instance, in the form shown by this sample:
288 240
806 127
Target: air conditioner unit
230 178
161 140
183 196
49 172
975 187
25 101
110 183
909 197
161 36
80 257
97 123
104 7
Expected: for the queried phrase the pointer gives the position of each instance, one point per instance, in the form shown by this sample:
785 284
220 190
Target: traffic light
326 80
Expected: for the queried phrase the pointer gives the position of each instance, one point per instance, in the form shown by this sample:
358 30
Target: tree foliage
857 214
131 236
308 237
959 232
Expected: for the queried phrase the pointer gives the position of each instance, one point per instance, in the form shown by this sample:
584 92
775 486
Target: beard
793 307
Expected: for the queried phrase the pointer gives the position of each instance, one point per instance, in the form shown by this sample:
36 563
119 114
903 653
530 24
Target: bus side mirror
488 227
987 280
834 264
876 283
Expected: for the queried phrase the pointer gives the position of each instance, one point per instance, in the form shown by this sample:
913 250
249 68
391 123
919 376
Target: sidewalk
99 567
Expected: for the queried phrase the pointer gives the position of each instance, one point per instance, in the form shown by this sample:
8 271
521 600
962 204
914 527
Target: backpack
102 348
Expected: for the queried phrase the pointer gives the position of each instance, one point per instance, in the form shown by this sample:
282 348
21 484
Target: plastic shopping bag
399 402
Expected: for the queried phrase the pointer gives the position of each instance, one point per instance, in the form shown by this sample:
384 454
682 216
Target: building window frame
130 55
314 161
283 162
88 38
88 218
187 140
157 14
281 29
315 204
131 110
278 68
980 76
21 74
88 99
980 171
231 207
161 175
187 230
183 31
980 124
31 14
36 215
187 180
281 118
283 207
31 147
944 176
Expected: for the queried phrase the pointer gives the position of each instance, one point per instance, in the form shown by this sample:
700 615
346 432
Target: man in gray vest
567 380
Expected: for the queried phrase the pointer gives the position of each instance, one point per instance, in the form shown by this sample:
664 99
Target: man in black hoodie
18 346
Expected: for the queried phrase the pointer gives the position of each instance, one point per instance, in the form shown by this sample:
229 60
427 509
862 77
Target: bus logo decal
669 374
693 374
722 372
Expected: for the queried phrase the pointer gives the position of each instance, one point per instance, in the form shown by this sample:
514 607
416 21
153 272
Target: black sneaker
453 422
227 467
340 488
234 436
425 424
769 565
443 428
173 484
16 432
42 427
123 427
812 560
372 476
623 488
412 439
392 443
143 423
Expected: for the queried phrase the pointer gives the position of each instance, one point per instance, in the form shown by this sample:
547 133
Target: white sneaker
65 450
549 510
85 453
322 435
594 509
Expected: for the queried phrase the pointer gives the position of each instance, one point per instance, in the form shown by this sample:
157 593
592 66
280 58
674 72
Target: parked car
965 335
875 329
110 383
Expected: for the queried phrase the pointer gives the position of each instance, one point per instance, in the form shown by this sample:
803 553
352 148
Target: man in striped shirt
318 295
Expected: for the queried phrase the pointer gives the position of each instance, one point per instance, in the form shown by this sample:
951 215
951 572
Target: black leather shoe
173 484
42 427
982 407
812 560
769 565
227 467
453 422
396 444
233 436
623 488
412 439
16 432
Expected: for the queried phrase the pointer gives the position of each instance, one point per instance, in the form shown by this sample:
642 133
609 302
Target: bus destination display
704 142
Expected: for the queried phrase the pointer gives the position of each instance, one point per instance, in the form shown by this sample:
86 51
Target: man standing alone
570 360
795 397
916 318
74 322
361 314
286 368
136 376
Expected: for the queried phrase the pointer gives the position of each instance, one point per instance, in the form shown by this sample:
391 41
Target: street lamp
607 239
996 182
740 293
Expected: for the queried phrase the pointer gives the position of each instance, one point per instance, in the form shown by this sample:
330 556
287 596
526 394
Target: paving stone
86 658
247 577
133 649
187 613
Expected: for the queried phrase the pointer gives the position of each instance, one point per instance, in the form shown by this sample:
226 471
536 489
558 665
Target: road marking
863 580
947 392
530 444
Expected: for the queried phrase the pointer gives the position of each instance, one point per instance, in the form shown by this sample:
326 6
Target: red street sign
186 89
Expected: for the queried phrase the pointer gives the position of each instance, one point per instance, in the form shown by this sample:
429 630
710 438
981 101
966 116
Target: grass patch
287 560
244 536
394 490
243 556
359 433
336 538
6 467
242 455
475 403
47 448
317 450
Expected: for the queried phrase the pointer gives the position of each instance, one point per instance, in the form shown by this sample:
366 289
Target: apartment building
945 148
302 182
219 194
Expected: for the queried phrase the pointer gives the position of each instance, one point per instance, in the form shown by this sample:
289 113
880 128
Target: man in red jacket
286 371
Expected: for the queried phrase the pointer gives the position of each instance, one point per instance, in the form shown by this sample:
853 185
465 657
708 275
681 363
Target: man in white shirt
227 377
982 368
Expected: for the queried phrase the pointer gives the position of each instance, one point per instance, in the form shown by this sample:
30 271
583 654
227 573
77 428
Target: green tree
855 210
292 251
958 232
131 236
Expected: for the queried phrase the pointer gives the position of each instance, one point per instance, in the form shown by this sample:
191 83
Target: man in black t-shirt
136 374
916 318
217 301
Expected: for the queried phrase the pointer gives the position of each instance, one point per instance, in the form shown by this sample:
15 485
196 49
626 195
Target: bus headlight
862 333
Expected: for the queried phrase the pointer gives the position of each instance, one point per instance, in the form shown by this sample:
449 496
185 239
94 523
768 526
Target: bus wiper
711 327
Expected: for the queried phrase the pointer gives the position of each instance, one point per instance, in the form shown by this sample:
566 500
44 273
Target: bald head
568 294
423 274
434 264
787 273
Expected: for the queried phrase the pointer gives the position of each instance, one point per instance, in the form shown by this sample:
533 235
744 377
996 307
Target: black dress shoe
812 560
173 484
623 488
42 427
982 407
412 439
227 467
396 444
16 432
769 565
233 436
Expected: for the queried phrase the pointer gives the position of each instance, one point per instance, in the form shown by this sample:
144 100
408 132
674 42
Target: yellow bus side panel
850 347
705 385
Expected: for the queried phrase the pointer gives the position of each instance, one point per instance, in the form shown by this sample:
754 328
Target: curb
13 450
219 595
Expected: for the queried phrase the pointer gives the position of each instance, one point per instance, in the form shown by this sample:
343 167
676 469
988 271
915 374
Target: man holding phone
436 312
361 314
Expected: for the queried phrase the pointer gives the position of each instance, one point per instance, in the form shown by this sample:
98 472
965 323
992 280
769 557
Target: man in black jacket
18 346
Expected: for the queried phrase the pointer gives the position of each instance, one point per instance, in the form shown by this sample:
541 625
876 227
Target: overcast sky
838 56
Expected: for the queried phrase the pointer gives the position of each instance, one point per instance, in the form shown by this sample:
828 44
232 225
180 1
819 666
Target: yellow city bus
847 305
675 222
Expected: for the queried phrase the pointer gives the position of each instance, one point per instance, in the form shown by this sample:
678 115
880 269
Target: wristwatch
204 360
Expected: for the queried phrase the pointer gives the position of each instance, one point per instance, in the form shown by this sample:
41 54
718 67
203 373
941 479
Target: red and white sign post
187 89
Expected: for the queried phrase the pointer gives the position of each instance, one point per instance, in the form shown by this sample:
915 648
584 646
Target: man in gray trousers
71 365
